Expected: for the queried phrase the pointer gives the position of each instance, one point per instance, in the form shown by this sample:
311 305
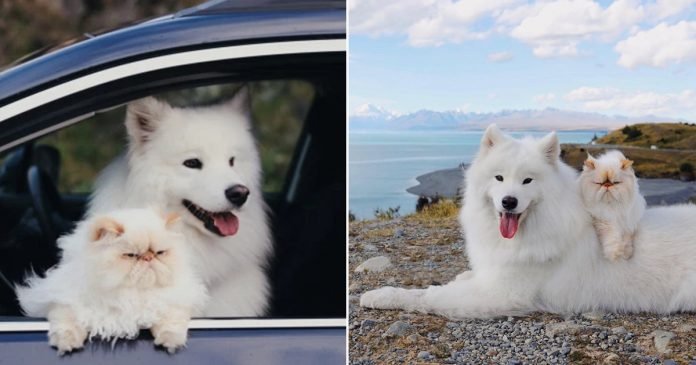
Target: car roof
211 24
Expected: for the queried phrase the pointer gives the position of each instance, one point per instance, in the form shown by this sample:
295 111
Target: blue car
61 121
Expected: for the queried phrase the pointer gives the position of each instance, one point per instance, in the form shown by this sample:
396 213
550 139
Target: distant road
622 147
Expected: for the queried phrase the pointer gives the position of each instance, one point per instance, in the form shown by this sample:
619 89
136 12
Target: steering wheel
48 205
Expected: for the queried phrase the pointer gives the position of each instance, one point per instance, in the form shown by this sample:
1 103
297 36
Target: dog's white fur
554 262
96 291
161 137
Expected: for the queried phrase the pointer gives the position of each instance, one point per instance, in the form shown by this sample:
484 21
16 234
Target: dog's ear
143 118
550 147
241 101
105 226
589 163
626 163
491 138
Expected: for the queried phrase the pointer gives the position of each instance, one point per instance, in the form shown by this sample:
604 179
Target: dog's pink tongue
227 223
508 224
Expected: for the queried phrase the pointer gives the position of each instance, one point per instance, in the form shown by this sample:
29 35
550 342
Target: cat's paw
67 338
171 340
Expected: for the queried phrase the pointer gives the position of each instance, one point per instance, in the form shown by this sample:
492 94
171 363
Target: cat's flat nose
147 256
509 202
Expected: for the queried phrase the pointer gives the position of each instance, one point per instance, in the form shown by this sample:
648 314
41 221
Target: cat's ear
171 219
626 163
105 226
143 117
492 137
589 162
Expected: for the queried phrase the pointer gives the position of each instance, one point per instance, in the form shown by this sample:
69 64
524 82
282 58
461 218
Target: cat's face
142 255
608 178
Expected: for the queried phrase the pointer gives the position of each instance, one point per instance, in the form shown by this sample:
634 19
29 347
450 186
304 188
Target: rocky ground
415 251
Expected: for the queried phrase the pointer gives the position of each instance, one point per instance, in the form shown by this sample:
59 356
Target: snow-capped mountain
371 117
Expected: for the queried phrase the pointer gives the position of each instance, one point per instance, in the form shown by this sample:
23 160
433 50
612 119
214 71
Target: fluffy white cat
119 273
609 190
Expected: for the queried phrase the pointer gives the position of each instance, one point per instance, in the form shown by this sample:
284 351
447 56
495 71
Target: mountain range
371 117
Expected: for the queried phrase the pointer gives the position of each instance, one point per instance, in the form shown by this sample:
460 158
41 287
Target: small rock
413 338
369 247
397 329
686 328
611 358
398 233
424 355
514 362
366 325
567 327
375 264
669 362
619 330
593 316
662 339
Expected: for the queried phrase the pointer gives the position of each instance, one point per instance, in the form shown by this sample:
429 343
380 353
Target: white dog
203 164
531 245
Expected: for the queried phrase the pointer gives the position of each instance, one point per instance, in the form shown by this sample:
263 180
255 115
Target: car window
73 157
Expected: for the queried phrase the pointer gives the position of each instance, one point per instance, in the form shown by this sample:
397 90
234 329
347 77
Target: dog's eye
231 161
131 255
193 163
499 177
160 252
527 180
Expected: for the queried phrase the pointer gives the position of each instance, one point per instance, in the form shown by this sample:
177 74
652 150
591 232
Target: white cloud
634 103
552 28
500 56
660 46
586 93
544 98
556 28
425 22
662 9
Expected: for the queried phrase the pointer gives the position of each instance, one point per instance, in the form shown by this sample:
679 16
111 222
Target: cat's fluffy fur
609 190
119 273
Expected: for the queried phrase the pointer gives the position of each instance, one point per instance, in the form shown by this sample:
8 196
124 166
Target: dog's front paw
67 338
171 340
382 298
466 275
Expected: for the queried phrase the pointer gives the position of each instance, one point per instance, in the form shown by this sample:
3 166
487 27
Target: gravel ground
415 252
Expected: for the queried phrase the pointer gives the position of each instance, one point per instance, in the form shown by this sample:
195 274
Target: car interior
307 270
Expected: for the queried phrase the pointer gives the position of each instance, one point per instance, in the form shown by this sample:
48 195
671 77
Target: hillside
676 145
662 135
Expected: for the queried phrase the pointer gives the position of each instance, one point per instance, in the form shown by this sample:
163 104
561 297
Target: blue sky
624 57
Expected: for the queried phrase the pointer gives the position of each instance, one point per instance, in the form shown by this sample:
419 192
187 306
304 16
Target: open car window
72 158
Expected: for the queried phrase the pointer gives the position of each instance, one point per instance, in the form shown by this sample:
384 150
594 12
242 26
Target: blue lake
384 164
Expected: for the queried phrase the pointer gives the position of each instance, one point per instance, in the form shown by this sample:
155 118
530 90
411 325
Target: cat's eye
160 252
527 181
130 255
616 182
231 161
193 163
499 177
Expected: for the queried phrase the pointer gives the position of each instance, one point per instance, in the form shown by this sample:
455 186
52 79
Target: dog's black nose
237 194
509 202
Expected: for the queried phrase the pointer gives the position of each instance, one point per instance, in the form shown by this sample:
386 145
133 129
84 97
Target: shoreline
657 191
